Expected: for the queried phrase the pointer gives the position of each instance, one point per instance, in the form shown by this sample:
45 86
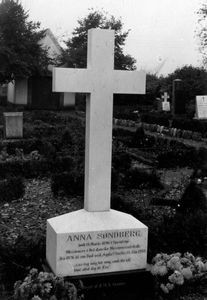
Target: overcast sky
162 31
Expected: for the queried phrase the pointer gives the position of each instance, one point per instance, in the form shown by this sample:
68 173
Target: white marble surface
82 243
166 106
96 239
100 81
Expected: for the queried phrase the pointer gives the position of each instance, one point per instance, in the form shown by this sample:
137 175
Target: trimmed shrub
119 203
34 168
177 158
177 122
71 183
66 138
11 188
121 161
26 251
137 178
193 199
183 233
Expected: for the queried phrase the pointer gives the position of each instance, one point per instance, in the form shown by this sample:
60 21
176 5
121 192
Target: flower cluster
45 286
174 270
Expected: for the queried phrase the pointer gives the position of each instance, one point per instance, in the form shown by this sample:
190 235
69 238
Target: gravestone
201 107
178 98
159 104
13 125
97 239
165 103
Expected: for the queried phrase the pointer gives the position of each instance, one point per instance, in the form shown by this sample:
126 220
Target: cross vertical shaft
99 107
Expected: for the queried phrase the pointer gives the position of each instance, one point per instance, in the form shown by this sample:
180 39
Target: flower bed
176 275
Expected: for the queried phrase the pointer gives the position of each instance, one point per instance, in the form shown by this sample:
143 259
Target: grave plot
48 196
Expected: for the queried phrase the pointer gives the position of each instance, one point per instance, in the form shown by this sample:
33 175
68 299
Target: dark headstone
178 98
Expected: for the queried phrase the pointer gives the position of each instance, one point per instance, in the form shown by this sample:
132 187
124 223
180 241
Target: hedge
11 188
68 182
177 122
33 168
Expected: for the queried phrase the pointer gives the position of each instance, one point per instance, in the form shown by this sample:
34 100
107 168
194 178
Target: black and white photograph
103 150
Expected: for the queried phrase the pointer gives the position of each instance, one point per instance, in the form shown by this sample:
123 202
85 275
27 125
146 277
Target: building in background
36 91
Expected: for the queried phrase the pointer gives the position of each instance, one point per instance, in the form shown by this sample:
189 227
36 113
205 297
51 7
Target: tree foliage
202 31
76 53
20 53
194 81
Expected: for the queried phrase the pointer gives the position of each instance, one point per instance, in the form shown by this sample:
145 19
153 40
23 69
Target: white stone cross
165 96
99 81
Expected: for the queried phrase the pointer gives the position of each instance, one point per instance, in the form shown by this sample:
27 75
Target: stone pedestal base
85 243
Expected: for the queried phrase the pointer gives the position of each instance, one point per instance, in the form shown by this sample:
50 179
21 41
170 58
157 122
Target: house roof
52 44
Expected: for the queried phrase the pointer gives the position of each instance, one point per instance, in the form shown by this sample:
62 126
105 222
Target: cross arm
129 82
71 80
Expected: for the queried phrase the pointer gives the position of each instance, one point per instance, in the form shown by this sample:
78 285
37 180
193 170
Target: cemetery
107 198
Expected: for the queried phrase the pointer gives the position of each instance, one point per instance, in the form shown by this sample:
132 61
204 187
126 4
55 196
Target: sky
162 32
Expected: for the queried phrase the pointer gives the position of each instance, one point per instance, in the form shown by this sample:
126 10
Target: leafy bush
66 137
121 161
27 250
33 168
157 118
138 139
177 158
119 203
123 135
42 130
11 188
68 182
43 116
193 199
136 178
180 232
43 285
48 149
177 122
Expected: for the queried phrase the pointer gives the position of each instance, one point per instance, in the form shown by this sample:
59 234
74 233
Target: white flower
200 265
170 286
36 298
174 263
47 287
176 278
164 288
187 273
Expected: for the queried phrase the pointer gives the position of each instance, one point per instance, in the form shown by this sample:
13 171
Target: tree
76 53
20 53
202 32
194 81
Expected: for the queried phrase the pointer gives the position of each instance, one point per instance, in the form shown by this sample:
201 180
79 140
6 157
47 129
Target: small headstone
166 106
165 103
13 125
178 97
201 107
97 239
